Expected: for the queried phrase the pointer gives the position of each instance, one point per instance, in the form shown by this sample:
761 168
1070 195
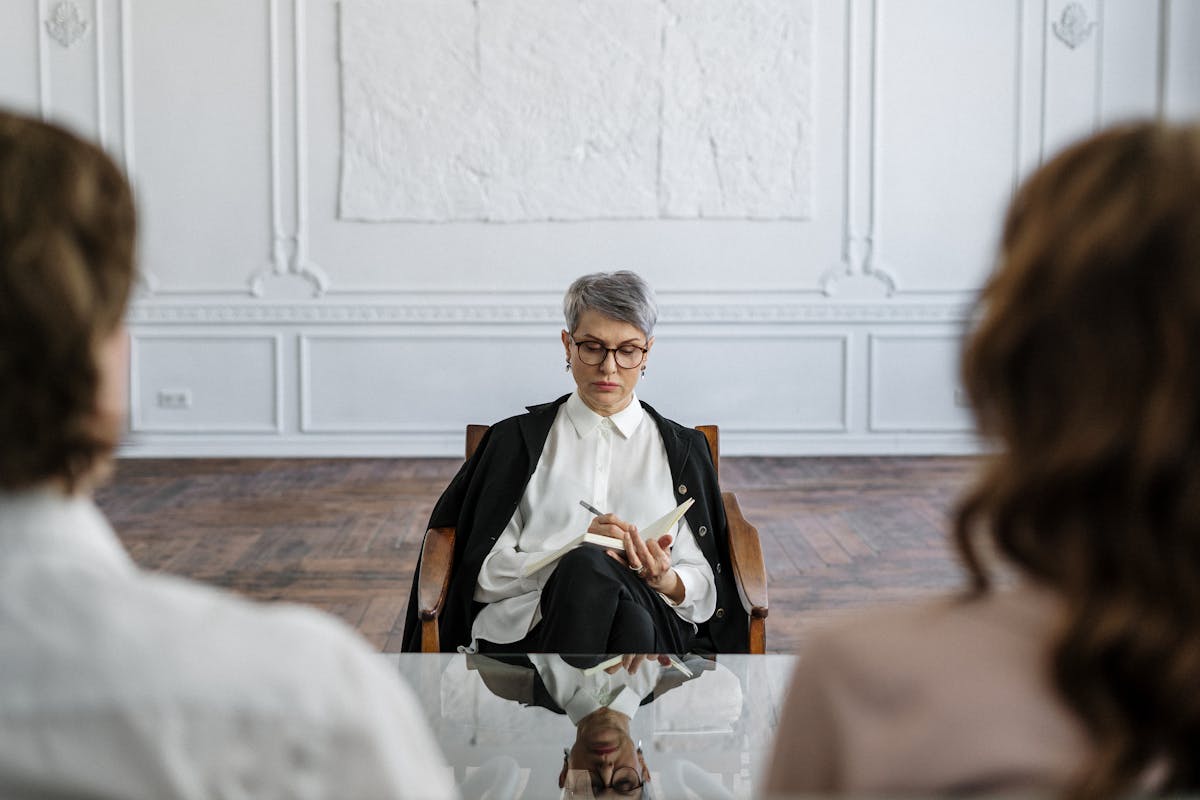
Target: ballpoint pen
591 508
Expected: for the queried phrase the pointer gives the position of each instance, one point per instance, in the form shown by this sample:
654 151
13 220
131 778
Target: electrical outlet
175 399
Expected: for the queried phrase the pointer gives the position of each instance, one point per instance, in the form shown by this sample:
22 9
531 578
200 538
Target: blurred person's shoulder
166 679
957 628
930 695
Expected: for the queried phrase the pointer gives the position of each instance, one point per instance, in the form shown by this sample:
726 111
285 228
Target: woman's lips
604 750
606 387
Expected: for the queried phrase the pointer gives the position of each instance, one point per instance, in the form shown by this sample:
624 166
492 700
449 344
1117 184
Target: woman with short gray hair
596 460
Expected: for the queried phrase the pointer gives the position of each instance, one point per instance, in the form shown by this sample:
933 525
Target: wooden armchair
745 554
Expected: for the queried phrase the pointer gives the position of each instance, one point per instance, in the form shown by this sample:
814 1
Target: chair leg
758 636
429 636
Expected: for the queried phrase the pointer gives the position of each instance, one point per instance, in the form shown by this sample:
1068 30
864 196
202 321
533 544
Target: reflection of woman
604 760
1085 366
519 496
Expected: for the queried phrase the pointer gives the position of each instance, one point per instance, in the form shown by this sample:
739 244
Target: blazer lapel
535 428
678 448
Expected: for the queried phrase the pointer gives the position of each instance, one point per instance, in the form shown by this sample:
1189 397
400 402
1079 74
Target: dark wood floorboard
343 534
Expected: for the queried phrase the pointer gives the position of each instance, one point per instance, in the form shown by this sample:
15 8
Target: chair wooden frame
745 555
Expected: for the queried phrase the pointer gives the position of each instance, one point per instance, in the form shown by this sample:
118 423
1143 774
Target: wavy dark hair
67 230
1084 367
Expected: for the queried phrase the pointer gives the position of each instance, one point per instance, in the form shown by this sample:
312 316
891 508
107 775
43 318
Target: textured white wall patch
526 110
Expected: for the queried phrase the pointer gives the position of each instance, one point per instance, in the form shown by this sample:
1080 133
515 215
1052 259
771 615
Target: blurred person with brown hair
115 682
1071 663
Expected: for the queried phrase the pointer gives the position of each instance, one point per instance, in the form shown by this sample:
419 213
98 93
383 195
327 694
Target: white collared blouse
617 464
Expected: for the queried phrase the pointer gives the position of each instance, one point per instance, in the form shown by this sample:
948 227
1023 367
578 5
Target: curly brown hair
67 230
1084 366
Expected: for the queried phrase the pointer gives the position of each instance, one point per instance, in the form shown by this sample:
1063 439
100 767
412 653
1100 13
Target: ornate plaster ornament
1073 27
66 25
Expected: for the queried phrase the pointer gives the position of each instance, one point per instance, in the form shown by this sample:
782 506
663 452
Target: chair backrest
712 435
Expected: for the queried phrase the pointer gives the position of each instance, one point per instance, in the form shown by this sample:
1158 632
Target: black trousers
593 604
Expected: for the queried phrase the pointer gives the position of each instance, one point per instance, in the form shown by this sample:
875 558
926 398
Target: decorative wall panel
20 36
420 382
813 188
947 148
914 384
1180 68
1074 52
511 110
200 100
206 383
1129 66
751 382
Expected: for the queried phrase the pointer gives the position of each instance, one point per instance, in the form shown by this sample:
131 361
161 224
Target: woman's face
606 387
603 761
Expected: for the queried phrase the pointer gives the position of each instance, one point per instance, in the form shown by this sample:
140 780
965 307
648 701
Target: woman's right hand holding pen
612 526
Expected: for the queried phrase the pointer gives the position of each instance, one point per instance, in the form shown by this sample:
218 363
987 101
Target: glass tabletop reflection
549 726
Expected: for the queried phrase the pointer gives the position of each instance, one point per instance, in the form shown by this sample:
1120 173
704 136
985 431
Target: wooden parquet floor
343 534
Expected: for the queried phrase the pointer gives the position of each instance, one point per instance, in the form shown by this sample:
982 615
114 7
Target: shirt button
682 489
703 531
720 613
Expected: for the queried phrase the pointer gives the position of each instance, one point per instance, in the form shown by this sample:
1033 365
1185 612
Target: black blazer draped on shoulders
483 496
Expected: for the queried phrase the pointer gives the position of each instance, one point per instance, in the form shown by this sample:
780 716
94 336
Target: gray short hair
621 295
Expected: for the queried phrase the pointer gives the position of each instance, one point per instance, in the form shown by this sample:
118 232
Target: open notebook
663 525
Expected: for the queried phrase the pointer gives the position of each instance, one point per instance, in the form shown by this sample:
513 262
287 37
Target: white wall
269 326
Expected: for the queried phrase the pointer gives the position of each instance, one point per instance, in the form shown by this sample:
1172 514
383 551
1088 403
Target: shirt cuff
689 579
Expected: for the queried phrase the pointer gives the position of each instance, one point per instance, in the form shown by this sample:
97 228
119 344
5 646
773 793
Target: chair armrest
745 550
437 557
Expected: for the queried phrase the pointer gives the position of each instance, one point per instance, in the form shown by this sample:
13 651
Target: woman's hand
612 526
652 561
632 661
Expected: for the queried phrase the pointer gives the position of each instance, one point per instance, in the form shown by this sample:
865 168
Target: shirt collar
585 420
45 522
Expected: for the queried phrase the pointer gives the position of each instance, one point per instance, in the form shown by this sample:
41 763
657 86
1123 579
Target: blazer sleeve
445 514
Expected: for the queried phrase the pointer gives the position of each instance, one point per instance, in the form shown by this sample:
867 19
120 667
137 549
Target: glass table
704 725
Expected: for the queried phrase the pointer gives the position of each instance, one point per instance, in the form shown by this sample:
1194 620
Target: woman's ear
566 340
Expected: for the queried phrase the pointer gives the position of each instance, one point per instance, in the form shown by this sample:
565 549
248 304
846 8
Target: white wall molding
875 262
43 58
858 235
65 24
1073 26
449 444
101 93
1164 43
289 250
147 313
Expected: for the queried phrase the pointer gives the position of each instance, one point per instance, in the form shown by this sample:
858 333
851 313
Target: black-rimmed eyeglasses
625 782
627 356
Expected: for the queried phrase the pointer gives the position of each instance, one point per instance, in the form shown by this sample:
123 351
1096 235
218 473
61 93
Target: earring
568 365
639 747
566 754
643 372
